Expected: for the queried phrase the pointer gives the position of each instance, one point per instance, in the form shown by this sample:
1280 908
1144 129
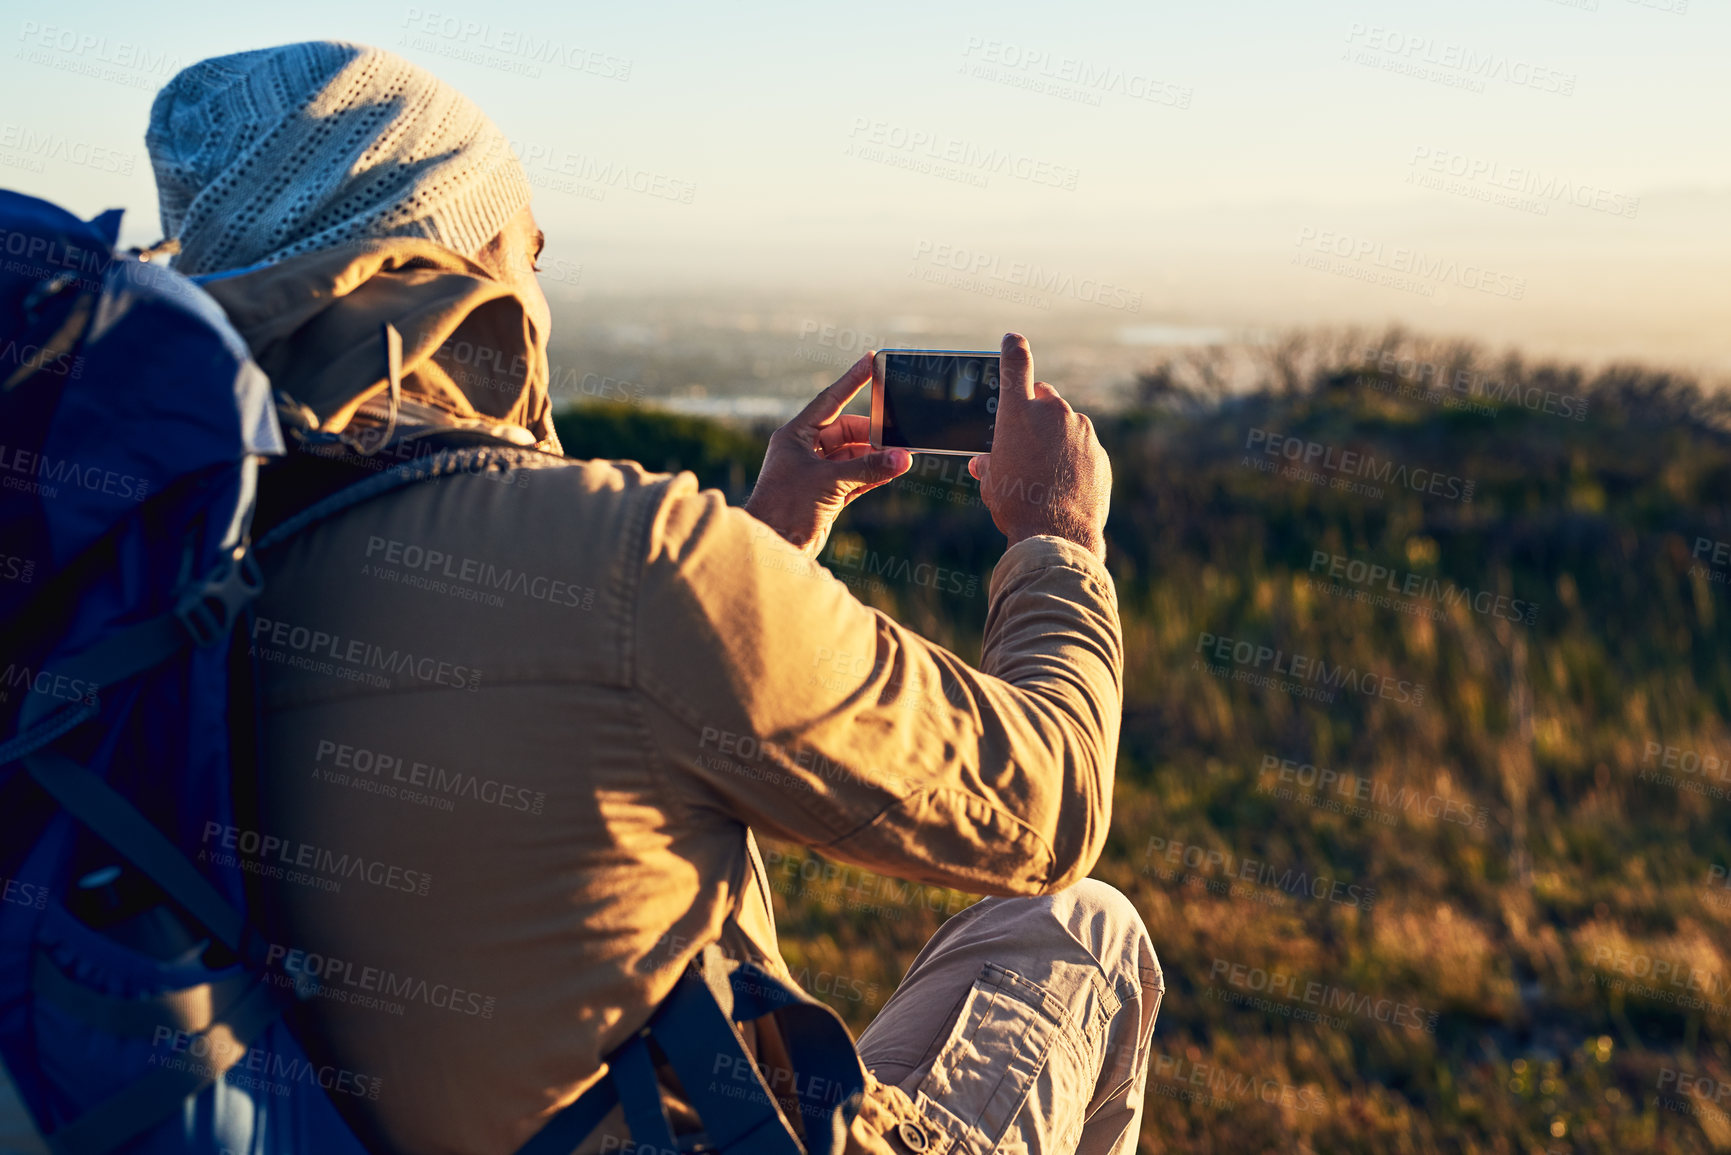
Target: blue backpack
140 1012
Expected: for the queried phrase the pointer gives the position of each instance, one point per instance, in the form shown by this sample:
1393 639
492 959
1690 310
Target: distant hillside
1425 781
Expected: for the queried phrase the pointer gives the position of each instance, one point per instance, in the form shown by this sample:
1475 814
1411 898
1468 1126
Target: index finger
1015 368
823 408
848 429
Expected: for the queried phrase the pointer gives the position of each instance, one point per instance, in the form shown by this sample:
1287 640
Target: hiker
519 726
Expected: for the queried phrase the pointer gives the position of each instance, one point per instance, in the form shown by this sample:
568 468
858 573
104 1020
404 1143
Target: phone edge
875 438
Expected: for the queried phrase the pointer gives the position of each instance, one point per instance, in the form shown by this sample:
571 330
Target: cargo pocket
1001 1041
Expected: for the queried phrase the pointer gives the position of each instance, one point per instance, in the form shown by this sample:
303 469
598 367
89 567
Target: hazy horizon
1529 176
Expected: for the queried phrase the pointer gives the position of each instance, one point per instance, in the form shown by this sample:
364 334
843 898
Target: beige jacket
520 729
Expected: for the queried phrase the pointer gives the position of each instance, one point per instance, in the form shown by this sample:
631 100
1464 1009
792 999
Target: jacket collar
471 353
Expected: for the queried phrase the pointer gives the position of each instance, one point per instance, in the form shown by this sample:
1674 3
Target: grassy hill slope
1433 845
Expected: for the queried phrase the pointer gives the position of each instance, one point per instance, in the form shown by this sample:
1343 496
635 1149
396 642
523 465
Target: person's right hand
1046 473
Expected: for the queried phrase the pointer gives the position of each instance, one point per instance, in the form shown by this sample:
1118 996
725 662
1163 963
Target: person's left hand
820 461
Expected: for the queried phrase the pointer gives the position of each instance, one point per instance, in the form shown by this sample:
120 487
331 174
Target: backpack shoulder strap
694 1028
309 487
161 1093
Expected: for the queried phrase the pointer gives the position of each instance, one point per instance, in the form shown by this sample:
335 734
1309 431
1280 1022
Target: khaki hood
472 353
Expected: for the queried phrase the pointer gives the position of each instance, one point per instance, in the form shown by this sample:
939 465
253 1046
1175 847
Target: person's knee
1104 920
1093 895
1084 948
1095 915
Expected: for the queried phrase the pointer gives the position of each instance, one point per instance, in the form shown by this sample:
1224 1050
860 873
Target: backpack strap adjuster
209 608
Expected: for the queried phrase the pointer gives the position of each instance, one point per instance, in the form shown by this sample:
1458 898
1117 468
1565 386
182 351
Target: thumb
876 468
1015 370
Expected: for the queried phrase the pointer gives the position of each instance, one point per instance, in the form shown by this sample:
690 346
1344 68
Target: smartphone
934 400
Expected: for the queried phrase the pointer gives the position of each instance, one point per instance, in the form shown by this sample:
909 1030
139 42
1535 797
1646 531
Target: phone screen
940 401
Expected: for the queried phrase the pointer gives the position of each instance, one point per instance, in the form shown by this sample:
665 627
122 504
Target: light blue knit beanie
265 155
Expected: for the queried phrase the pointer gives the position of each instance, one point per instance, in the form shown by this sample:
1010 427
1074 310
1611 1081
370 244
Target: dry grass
1521 928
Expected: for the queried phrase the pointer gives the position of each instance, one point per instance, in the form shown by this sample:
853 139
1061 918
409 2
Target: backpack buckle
208 609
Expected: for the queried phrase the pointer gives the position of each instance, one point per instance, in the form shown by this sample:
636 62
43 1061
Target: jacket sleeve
821 721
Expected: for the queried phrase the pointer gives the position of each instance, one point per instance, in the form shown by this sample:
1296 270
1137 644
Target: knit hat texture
265 155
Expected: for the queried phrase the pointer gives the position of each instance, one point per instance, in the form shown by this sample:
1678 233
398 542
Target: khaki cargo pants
1024 1027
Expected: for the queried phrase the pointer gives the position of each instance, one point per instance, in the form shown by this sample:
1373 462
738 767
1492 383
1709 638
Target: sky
1546 175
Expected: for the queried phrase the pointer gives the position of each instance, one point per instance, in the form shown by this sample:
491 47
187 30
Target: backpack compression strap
160 1093
695 1028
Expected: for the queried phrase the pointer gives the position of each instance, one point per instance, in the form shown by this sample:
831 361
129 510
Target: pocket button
913 1136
